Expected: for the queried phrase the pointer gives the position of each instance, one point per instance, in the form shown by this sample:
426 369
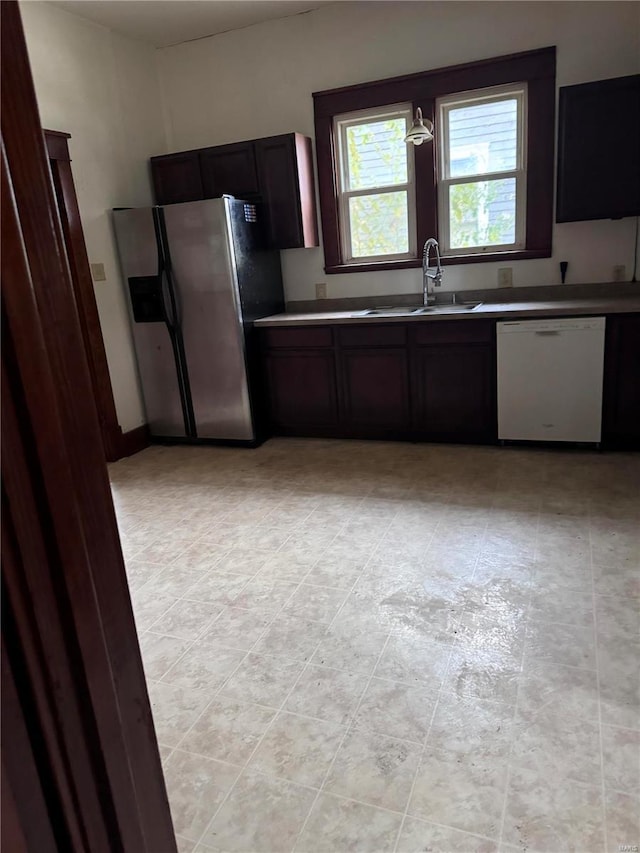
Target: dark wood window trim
536 67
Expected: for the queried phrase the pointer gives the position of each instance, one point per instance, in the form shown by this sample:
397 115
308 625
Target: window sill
452 260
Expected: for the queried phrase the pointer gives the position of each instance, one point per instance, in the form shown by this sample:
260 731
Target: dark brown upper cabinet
229 169
278 171
285 175
176 178
598 145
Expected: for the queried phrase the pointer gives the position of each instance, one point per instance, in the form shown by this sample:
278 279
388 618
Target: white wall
258 81
103 89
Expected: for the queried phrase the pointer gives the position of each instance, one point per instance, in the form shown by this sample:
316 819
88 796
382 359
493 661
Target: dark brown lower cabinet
621 405
302 391
423 381
375 391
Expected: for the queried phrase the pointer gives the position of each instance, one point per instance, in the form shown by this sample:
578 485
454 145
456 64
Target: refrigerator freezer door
139 259
205 280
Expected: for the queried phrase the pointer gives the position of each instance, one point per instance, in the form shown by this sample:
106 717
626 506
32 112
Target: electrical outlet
505 277
619 272
321 290
98 273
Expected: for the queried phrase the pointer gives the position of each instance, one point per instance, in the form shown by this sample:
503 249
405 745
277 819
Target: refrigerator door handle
165 293
174 295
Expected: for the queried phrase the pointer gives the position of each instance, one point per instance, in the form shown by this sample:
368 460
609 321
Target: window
376 193
482 171
484 187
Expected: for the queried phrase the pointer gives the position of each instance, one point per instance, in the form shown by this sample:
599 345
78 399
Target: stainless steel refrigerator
198 275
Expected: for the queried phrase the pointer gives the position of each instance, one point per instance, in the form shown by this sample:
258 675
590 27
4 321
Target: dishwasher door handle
548 332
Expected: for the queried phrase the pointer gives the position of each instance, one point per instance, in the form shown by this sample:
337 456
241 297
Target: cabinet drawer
373 336
452 332
298 337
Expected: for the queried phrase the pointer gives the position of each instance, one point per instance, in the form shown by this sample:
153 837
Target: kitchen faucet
430 279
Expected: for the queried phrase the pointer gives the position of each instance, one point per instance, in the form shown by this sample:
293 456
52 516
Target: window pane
377 154
482 213
483 138
379 224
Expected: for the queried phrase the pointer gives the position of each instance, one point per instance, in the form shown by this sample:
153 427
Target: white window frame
445 182
340 125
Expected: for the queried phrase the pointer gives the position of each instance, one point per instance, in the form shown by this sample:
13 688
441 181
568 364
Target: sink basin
409 311
403 310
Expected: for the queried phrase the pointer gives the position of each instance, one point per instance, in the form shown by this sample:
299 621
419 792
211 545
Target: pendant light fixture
421 130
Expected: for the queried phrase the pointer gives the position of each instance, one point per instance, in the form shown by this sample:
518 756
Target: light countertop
549 308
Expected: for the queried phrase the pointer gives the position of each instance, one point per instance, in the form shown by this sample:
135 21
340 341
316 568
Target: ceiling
166 22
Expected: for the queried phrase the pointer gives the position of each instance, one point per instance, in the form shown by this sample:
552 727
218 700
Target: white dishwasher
550 379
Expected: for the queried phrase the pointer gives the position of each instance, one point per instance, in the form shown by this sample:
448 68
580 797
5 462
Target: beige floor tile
490 553
403 711
237 628
554 603
618 618
290 637
242 561
468 726
327 694
186 619
228 730
544 814
160 652
484 674
336 572
570 691
184 845
196 787
461 790
570 645
149 606
263 679
354 652
204 665
374 769
623 821
265 594
261 814
342 825
619 681
175 709
411 658
618 580
621 759
297 748
288 564
420 835
319 603
555 744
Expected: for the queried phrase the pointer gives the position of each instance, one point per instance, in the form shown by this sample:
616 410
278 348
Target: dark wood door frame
76 251
80 763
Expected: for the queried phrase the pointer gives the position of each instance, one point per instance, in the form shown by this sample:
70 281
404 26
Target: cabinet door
278 178
176 178
229 169
302 390
621 405
454 391
375 390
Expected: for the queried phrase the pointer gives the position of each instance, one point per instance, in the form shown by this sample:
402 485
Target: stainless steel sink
403 310
409 311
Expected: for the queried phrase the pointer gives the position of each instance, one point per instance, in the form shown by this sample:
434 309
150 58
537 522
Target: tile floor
360 646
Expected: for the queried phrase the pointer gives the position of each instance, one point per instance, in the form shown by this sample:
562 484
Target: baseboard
134 441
